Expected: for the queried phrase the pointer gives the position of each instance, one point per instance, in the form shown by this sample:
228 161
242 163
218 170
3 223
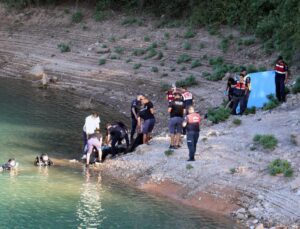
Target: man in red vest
239 91
281 76
192 124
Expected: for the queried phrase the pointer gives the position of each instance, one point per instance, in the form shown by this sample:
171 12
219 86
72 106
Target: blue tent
262 84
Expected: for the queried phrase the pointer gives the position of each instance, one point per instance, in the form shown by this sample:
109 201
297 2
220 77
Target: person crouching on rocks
147 115
192 124
94 141
43 160
11 164
116 133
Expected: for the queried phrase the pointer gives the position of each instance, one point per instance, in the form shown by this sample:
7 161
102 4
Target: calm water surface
34 121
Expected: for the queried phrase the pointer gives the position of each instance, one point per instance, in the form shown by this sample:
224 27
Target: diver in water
43 160
11 164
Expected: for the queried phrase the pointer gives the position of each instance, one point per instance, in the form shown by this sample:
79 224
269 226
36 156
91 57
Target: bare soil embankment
30 38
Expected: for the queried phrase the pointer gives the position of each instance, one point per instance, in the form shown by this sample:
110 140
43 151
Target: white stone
260 226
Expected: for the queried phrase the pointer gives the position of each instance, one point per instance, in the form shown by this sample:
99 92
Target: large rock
36 72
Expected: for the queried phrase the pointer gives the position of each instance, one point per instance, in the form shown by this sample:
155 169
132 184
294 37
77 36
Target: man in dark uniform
281 76
135 109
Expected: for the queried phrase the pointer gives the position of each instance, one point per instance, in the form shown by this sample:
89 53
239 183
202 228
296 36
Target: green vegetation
102 61
77 17
132 21
165 87
189 34
104 46
119 50
114 57
137 66
167 35
247 41
273 103
251 110
128 60
232 170
187 82
154 69
237 121
201 46
169 152
296 86
139 52
99 16
183 58
224 45
160 55
146 38
186 45
189 167
183 68
112 39
266 141
219 114
150 53
216 61
279 166
164 75
195 63
63 47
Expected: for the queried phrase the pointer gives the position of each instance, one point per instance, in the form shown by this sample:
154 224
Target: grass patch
146 38
139 52
160 55
182 68
165 87
272 103
102 61
251 110
137 66
186 45
154 69
114 57
63 47
216 61
219 114
167 35
232 170
169 152
195 63
150 53
280 166
99 16
237 122
132 21
224 45
296 86
189 34
77 17
189 167
187 82
266 141
247 41
128 60
201 46
119 50
163 75
112 39
183 58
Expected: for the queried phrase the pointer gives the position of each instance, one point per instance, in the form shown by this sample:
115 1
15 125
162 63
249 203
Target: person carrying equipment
281 77
43 160
192 124
116 133
176 110
239 90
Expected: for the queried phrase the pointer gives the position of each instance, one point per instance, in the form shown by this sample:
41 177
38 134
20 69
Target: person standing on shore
247 81
281 76
176 110
135 109
192 124
170 94
146 115
92 123
239 90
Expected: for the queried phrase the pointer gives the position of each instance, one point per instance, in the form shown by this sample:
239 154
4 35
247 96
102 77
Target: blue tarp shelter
262 84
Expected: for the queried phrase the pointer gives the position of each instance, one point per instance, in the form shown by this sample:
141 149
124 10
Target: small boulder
260 226
102 50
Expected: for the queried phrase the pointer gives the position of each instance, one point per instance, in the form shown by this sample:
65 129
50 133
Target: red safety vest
170 95
280 68
187 95
193 118
240 86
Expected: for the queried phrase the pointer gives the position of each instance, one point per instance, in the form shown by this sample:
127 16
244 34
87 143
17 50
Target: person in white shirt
92 123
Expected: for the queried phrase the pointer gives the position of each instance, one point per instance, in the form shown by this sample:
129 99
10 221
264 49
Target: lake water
33 121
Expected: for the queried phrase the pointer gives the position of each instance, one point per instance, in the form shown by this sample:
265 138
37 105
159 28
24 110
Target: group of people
239 91
12 164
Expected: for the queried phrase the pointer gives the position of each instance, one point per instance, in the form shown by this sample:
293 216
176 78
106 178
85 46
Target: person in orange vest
170 94
239 91
192 124
281 76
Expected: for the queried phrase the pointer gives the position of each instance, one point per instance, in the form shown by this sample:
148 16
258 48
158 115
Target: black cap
243 69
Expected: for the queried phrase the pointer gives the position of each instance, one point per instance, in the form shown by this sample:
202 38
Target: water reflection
89 208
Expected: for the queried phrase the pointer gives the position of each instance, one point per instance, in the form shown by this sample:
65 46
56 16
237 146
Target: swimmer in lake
43 160
11 164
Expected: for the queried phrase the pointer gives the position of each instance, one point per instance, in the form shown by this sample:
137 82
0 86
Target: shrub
132 21
266 141
216 61
77 17
102 61
279 166
154 69
114 57
137 66
189 167
187 82
160 55
186 45
146 38
169 152
112 39
183 68
164 75
273 103
104 46
183 58
251 68
66 11
195 63
151 53
201 46
165 87
99 16
296 86
139 52
189 34
63 47
119 50
224 45
248 41
237 122
251 110
128 60
167 35
217 115
232 170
